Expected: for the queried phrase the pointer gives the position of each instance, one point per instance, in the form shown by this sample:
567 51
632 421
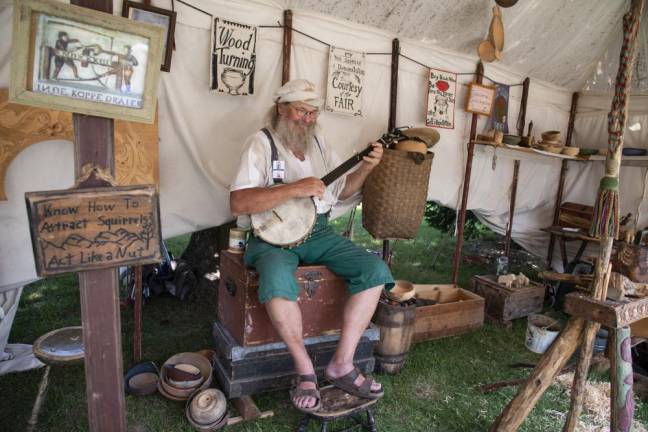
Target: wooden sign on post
79 230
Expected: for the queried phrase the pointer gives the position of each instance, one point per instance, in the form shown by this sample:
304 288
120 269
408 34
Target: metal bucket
541 332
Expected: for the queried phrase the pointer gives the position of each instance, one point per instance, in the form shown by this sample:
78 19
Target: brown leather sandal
347 383
297 392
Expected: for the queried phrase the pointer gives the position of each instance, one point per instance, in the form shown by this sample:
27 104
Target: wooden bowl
512 139
402 291
553 149
193 359
486 51
207 407
570 151
551 136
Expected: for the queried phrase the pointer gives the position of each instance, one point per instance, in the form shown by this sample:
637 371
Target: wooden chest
456 311
505 304
322 298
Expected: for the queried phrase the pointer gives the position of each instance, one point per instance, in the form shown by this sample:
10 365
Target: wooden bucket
396 324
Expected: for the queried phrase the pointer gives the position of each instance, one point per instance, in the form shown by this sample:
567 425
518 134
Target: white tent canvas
563 46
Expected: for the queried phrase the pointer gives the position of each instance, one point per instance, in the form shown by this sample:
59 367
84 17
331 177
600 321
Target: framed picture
156 16
480 99
70 58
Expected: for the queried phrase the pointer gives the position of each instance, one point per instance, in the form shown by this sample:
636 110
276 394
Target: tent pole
466 185
509 229
523 106
287 44
563 175
94 143
393 98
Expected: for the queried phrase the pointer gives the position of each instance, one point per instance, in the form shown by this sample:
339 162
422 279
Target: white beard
296 139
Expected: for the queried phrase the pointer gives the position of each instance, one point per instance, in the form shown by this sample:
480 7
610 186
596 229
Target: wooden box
244 371
456 311
322 298
505 304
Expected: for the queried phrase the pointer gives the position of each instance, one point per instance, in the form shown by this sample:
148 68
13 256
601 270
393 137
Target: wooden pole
393 100
563 175
523 106
137 316
466 186
509 229
287 45
541 378
587 348
621 379
94 143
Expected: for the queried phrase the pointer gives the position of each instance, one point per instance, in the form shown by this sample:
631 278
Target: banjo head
286 225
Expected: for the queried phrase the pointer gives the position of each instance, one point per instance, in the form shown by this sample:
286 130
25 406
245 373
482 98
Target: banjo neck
345 166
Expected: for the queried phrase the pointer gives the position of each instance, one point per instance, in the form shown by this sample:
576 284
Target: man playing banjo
283 162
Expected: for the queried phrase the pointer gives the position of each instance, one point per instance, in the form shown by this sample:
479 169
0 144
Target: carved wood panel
136 144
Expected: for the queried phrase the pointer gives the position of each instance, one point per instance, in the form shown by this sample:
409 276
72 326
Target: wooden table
617 316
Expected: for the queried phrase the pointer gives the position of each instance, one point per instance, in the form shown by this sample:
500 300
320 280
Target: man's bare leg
287 320
358 311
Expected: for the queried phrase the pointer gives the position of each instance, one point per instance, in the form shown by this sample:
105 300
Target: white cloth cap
298 90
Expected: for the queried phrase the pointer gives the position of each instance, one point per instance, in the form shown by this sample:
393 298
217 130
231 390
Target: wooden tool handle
563 277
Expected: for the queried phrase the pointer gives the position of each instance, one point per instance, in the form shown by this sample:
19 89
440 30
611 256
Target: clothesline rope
279 25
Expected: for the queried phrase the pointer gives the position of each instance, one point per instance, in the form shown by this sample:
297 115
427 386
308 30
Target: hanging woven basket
395 193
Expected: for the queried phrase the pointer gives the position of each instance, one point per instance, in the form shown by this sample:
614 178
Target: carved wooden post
287 45
393 101
466 186
622 399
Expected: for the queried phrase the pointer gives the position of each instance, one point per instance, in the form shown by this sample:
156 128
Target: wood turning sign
90 229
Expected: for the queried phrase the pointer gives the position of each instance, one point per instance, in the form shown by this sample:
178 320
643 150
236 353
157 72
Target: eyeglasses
303 112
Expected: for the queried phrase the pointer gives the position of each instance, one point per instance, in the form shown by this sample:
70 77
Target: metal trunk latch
230 286
312 282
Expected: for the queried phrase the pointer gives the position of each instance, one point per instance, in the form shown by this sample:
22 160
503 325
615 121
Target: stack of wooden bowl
550 142
183 374
206 410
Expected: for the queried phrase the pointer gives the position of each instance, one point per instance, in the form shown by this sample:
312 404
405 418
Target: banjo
291 222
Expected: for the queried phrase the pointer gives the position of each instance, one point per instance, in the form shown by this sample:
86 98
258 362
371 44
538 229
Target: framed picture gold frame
70 58
480 99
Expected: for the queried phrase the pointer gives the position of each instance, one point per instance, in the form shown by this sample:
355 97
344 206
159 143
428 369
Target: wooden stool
337 405
59 347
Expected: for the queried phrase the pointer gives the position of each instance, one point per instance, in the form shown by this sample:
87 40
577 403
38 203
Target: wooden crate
505 304
321 299
457 311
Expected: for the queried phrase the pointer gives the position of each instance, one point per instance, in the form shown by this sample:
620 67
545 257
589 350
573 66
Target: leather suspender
274 156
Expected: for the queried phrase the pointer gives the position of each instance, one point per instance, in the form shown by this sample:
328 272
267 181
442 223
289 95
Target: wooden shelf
641 161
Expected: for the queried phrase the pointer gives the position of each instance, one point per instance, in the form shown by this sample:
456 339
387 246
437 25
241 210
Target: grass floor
435 392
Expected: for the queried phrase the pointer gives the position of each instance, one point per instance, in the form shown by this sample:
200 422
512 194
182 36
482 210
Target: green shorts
276 266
